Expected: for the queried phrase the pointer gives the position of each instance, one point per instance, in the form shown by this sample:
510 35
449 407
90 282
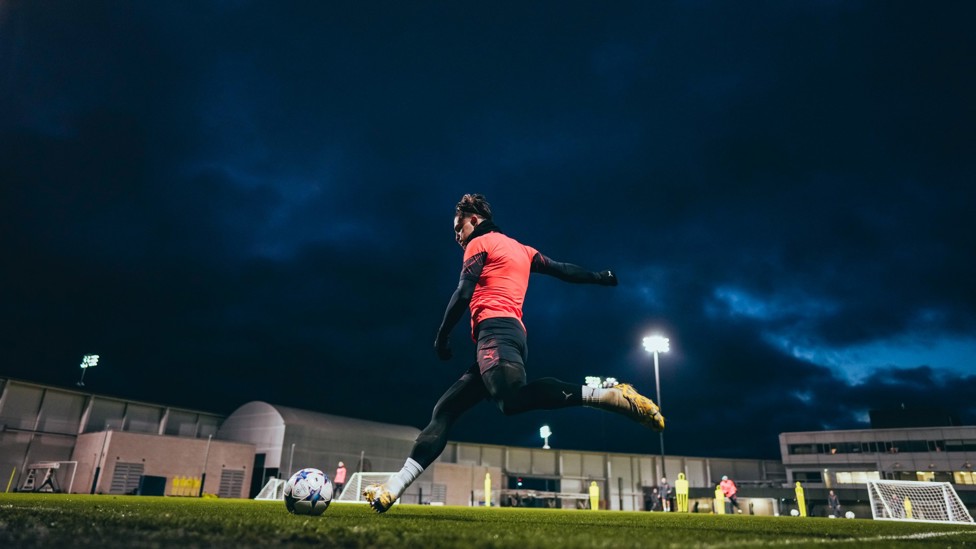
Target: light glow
656 344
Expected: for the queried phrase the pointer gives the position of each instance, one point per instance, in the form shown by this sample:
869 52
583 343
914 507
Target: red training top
504 279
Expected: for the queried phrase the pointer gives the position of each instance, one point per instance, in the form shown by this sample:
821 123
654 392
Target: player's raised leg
507 386
623 399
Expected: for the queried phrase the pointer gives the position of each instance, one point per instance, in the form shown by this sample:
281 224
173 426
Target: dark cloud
233 201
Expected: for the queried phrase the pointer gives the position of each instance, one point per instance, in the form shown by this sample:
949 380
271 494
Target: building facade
846 459
45 428
100 444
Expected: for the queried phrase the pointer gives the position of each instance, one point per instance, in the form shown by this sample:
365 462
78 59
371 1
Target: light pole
88 361
545 433
658 344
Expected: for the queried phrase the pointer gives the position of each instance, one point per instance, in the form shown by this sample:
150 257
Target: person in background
666 494
730 490
655 499
339 481
833 502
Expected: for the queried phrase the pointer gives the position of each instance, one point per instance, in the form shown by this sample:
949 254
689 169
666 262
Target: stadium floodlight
658 344
545 433
87 361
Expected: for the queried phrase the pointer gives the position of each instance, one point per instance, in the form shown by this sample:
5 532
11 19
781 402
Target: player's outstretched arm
572 273
459 301
455 308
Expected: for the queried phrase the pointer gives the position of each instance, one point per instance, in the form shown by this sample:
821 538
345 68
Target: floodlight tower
87 361
545 433
658 344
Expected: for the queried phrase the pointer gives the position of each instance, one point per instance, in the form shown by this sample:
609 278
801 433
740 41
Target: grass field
48 520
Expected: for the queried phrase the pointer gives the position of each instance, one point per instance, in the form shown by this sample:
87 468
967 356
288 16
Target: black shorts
500 339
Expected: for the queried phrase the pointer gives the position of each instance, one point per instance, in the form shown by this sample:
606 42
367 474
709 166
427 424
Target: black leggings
505 384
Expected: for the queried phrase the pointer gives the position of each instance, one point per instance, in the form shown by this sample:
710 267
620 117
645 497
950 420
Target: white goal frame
273 490
916 501
352 492
34 478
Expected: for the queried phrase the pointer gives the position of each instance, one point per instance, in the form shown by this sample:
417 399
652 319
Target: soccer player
731 492
494 279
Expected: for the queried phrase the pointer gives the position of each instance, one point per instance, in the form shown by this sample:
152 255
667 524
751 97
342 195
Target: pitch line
906 537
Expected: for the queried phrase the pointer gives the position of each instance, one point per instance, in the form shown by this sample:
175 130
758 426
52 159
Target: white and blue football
308 492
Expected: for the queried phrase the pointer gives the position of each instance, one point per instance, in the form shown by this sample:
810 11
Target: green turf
36 520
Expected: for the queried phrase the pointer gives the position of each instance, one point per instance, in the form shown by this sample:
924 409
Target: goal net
273 490
353 490
916 501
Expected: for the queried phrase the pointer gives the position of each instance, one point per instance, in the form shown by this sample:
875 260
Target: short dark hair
475 204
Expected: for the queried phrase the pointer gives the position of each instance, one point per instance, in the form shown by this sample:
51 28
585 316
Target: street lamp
88 361
658 344
545 433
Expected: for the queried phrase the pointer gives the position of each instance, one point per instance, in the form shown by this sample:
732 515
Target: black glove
607 278
442 346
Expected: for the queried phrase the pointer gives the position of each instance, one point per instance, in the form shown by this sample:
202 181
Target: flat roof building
839 459
103 444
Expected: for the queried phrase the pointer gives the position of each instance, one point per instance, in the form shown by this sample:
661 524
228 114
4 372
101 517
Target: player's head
468 214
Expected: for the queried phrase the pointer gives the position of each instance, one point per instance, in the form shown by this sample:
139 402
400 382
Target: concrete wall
466 481
160 456
41 423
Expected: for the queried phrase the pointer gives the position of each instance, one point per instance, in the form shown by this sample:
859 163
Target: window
808 476
21 406
105 415
916 446
943 476
180 423
142 419
924 476
964 477
869 447
960 446
846 448
803 449
856 477
533 483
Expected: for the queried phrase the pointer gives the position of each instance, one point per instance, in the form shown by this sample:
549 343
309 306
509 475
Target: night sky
233 201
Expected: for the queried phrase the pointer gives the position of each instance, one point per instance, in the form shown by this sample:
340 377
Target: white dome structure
288 439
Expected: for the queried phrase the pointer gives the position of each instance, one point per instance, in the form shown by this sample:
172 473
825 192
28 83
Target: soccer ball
849 514
794 513
308 492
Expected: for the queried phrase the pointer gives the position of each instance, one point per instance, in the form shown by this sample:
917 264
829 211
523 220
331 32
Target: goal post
50 476
916 501
352 492
274 489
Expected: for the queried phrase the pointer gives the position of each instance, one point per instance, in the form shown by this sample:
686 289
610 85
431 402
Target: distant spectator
340 479
730 490
833 502
666 494
655 499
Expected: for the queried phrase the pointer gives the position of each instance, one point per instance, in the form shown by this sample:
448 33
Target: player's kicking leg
507 386
623 399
